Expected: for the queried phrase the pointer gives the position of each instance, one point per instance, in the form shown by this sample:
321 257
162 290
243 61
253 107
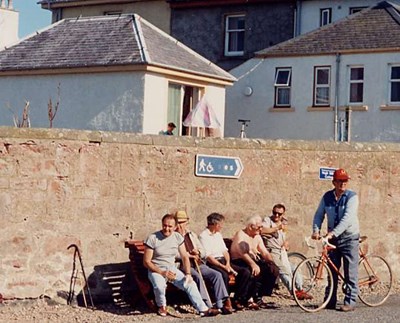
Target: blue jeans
160 284
346 249
286 269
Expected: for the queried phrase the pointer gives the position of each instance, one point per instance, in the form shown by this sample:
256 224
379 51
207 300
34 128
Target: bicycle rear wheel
317 283
375 280
295 258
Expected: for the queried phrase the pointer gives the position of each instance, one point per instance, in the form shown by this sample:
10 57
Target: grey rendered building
229 32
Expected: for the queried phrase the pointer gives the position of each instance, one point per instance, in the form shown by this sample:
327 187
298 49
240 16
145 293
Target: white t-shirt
213 244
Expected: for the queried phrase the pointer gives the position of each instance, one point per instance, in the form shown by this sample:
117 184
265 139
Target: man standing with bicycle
341 207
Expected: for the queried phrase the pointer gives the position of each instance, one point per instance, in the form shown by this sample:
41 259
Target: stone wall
97 189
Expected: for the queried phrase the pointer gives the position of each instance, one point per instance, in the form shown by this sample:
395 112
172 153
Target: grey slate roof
105 41
373 29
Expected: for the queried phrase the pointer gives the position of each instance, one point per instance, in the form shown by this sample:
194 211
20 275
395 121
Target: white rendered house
115 73
340 82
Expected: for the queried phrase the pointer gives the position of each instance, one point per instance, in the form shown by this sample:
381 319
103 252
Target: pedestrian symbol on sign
203 167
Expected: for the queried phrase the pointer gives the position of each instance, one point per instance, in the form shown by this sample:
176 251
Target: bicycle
375 278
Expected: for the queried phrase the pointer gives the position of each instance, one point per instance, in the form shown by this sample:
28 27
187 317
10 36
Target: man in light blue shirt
341 206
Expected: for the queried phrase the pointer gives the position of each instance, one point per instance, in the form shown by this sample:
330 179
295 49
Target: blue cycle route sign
326 173
218 166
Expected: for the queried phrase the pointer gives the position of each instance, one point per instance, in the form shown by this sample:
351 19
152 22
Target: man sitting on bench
161 247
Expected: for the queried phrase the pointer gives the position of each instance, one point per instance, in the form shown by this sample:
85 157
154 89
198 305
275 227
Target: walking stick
190 246
202 280
77 252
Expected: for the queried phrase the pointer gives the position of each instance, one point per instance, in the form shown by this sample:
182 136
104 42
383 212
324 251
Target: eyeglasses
256 227
277 213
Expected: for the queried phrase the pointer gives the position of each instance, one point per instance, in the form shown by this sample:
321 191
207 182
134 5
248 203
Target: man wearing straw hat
201 273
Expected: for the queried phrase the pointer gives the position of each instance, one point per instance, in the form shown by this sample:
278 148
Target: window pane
283 96
322 96
174 105
356 92
236 41
395 92
357 73
323 76
395 73
235 23
282 77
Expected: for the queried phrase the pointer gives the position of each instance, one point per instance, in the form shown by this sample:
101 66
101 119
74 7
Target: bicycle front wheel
374 280
316 283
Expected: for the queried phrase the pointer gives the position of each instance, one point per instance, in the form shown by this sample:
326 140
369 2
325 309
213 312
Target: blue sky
31 16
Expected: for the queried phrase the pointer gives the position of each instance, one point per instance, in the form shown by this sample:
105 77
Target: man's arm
241 249
262 249
185 259
147 261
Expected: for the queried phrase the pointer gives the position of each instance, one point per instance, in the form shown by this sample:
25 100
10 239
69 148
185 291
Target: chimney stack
10 4
3 4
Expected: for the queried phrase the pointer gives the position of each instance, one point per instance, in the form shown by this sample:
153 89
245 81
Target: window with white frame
322 87
325 16
356 84
395 84
234 35
356 9
282 85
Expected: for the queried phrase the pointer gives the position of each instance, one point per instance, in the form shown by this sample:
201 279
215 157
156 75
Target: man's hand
255 269
188 280
315 236
329 236
170 275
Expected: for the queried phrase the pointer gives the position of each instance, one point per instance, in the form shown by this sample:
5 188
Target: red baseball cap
341 174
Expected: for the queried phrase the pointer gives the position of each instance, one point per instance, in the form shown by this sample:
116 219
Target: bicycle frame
324 257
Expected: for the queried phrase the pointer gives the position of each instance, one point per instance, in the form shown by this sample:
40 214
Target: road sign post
218 166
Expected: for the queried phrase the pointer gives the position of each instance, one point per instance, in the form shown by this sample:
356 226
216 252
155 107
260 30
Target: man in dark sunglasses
274 237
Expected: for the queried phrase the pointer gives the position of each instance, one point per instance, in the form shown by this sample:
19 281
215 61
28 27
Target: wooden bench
136 252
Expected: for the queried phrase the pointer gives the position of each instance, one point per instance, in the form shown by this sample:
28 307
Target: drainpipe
336 111
297 18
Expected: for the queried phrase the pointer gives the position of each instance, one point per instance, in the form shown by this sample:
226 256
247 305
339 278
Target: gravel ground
45 310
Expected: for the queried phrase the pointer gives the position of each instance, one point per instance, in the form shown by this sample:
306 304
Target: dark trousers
263 284
242 280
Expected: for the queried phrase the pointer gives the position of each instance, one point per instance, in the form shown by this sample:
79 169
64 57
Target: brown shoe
237 305
210 312
346 308
227 308
253 306
162 311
